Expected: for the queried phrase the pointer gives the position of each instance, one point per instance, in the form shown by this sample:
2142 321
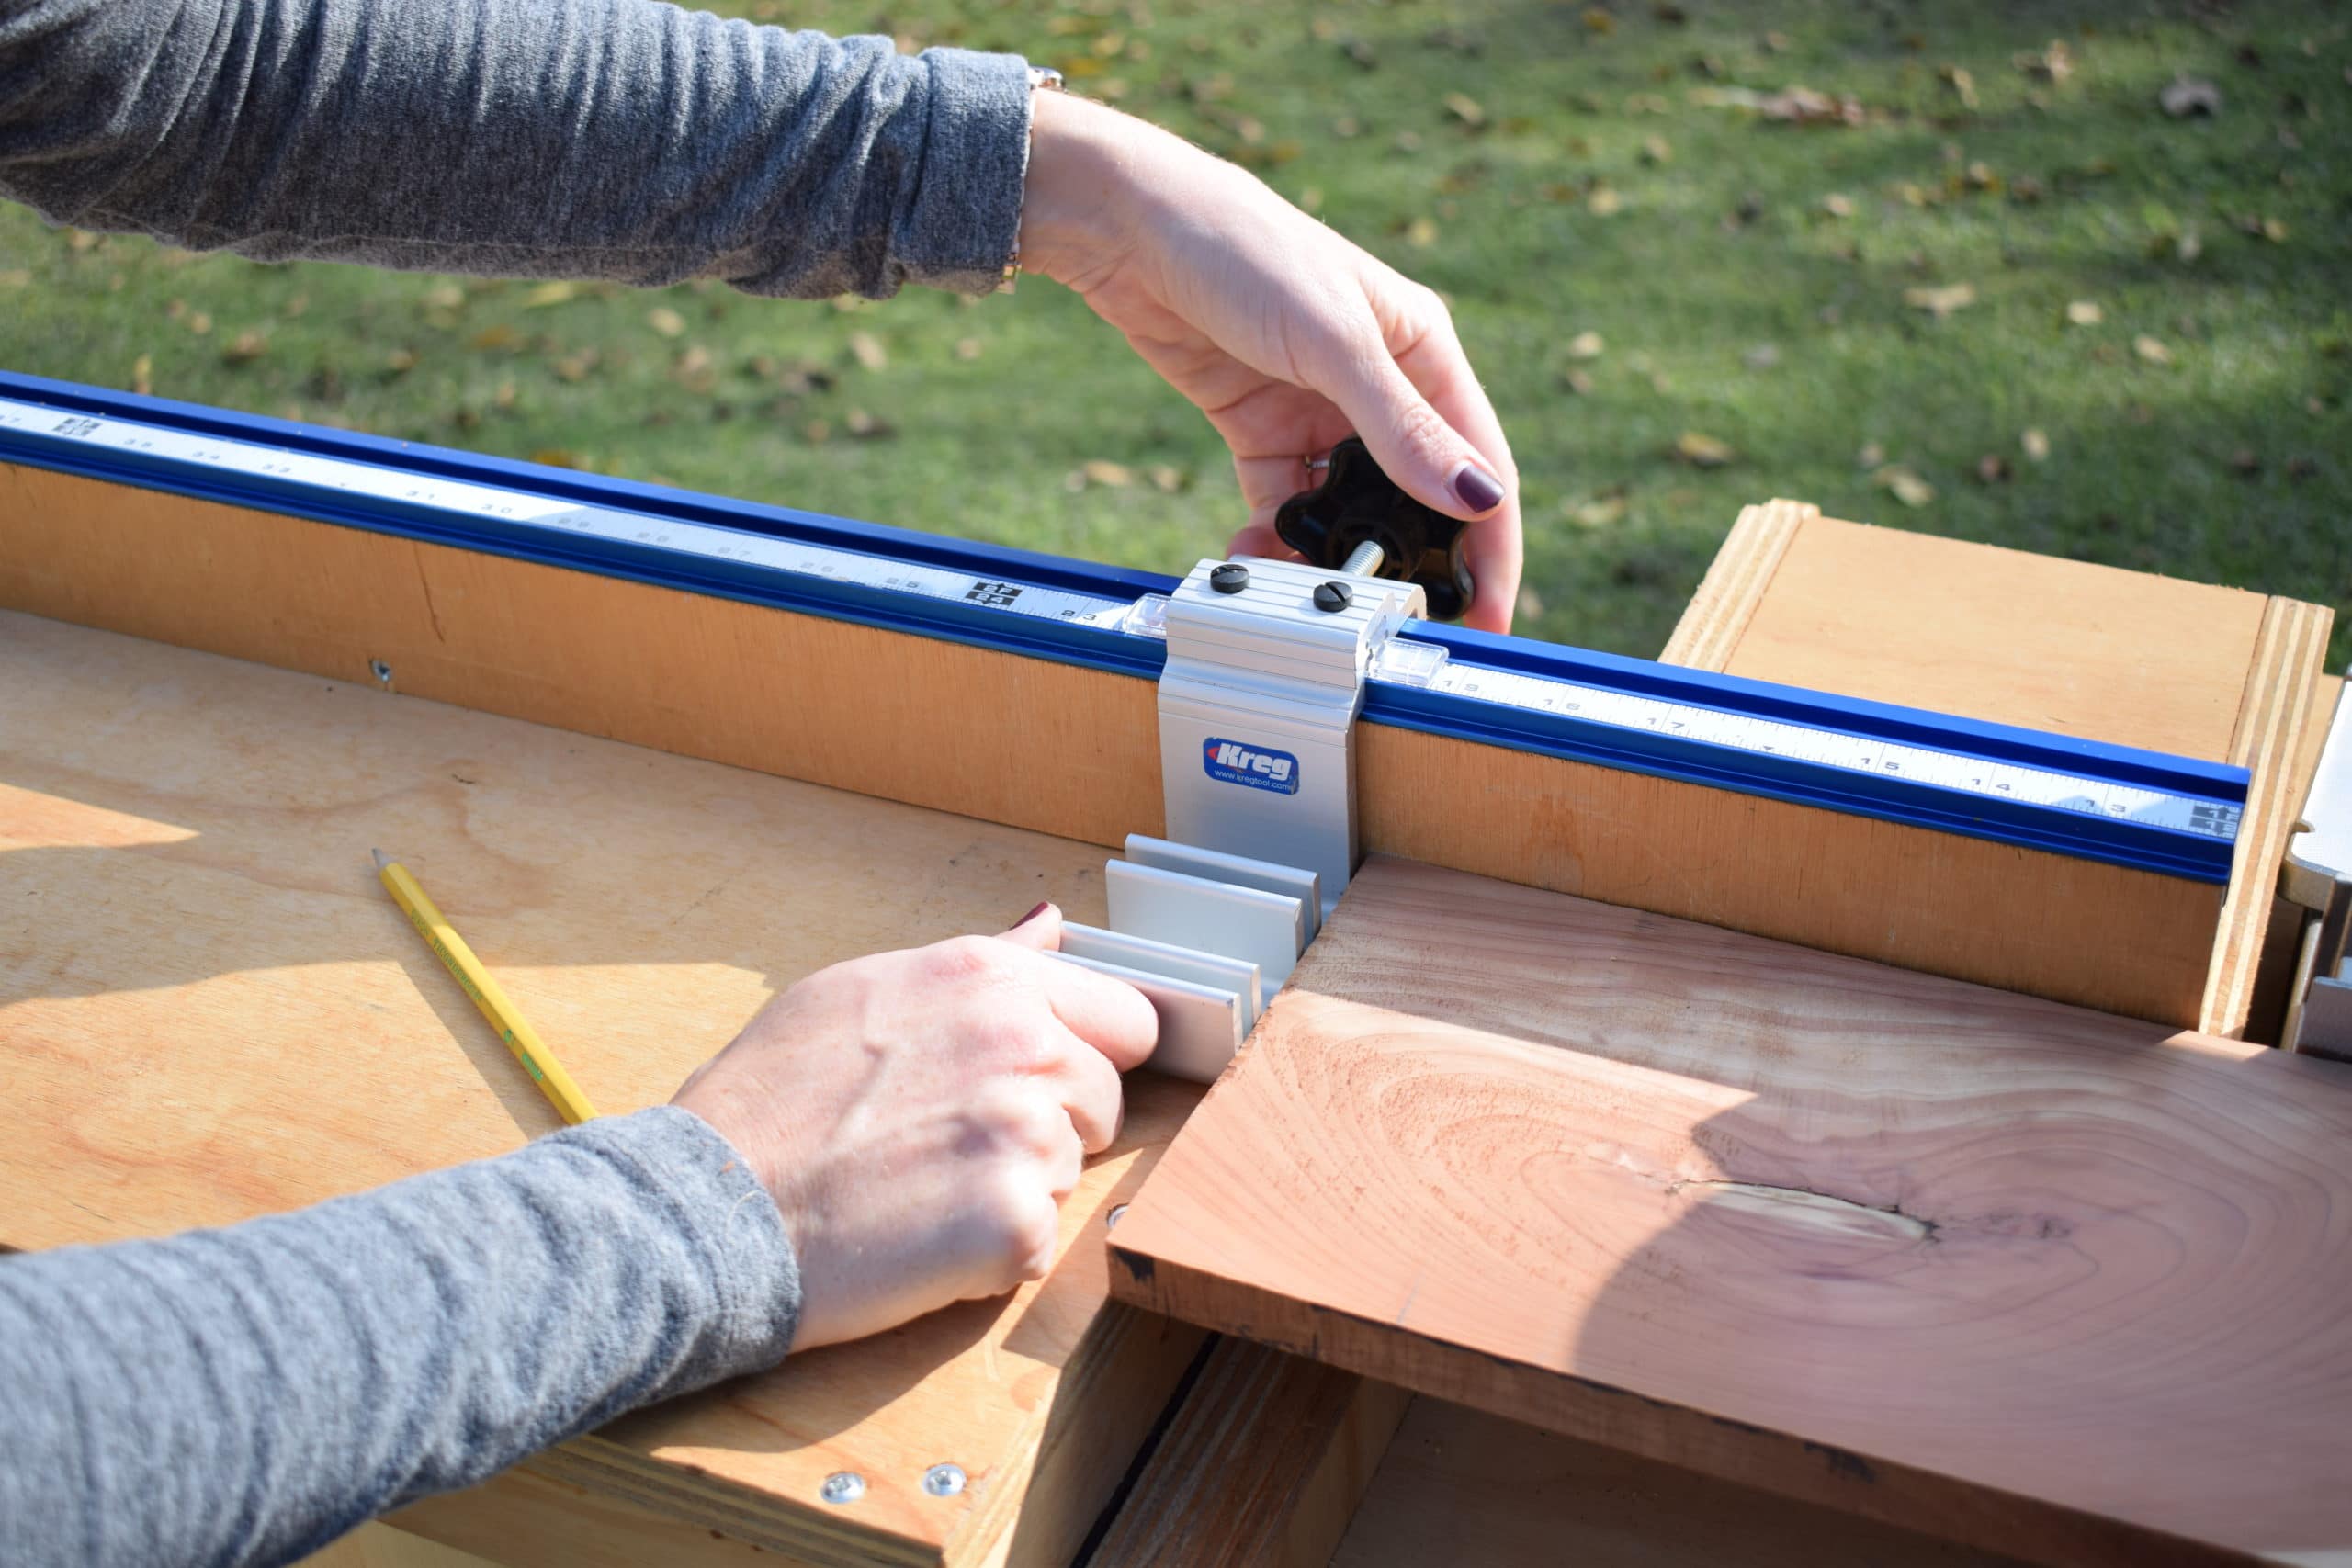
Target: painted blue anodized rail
2204 857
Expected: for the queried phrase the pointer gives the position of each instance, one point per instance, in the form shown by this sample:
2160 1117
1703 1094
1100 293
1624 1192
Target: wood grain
2214 673
2023 1275
188 911
1736 581
1459 1485
1261 1466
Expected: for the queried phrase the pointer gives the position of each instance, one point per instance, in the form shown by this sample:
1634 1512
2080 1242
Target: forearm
620 139
245 1395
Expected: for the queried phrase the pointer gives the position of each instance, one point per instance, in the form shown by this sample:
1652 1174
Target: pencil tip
382 860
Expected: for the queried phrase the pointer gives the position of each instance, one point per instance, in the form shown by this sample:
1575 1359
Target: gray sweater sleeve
613 138
245 1395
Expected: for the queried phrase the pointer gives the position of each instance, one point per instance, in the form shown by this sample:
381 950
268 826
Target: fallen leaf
1420 232
1466 108
2149 349
83 240
1803 105
695 370
556 457
817 431
1169 479
1605 202
1942 302
142 375
2052 65
1656 150
2246 463
1981 177
1599 511
967 348
1577 381
1776 44
575 368
2025 188
548 294
1111 475
2084 313
201 322
1585 345
505 397
2035 445
1531 604
499 336
866 427
244 348
400 362
1992 469
1870 456
444 297
1837 206
2184 96
1703 451
293 308
1905 485
666 322
1961 83
868 351
1599 22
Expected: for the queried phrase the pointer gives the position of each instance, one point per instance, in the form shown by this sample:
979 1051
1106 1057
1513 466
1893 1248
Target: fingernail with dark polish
1475 488
1032 914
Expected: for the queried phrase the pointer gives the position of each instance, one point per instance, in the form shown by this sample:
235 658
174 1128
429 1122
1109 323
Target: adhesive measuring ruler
2171 815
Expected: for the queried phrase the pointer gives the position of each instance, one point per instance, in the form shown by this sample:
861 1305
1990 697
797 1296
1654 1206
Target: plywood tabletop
2010 1271
209 1009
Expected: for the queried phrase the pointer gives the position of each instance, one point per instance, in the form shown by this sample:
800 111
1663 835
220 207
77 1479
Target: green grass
1729 299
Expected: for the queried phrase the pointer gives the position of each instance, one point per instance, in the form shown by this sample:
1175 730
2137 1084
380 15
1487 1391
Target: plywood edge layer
1028 742
1734 584
2279 706
1594 1412
2110 937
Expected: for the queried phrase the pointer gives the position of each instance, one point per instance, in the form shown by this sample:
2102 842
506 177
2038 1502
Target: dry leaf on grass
1942 302
666 322
2184 96
2084 313
2035 445
1585 346
1605 202
1703 451
1466 109
868 351
1111 475
244 348
548 294
1963 84
142 375
2151 350
1905 485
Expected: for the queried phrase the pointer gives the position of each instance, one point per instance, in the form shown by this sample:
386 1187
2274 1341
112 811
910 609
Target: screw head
944 1480
1333 597
382 670
1230 577
1112 1219
842 1486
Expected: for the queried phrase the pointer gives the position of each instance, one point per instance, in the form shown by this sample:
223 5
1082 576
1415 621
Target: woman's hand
918 1116
1283 333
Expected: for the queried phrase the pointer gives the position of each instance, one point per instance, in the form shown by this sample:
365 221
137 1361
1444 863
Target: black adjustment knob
1231 577
1357 504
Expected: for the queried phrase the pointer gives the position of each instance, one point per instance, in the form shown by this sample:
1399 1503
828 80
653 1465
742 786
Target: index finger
1110 1015
1493 545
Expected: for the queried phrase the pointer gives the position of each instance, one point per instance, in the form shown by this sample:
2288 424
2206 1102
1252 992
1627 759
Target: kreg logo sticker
1253 766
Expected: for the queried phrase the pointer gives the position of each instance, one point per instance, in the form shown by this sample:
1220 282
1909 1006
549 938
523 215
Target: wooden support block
916 719
2034 1279
1262 1465
1459 1485
190 908
2214 673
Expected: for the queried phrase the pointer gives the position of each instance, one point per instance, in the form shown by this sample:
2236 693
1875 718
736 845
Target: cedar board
2021 1275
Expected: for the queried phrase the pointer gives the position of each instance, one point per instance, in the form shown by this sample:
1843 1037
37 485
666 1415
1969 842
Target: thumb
1414 445
1040 930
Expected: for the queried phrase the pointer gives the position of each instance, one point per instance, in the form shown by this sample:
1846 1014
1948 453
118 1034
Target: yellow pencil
451 949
